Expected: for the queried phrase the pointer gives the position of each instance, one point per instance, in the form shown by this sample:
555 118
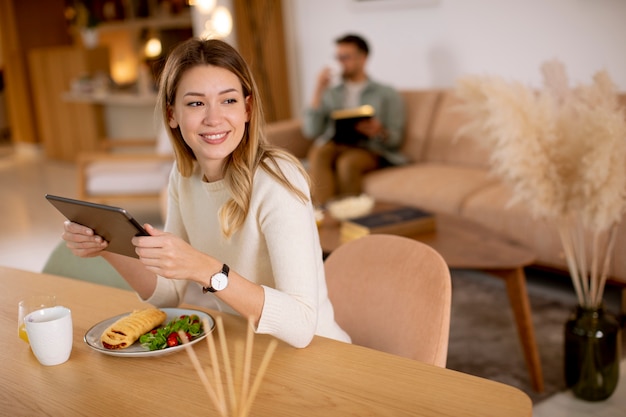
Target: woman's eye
230 100
194 104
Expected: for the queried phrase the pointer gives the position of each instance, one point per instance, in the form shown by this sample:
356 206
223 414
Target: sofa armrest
287 134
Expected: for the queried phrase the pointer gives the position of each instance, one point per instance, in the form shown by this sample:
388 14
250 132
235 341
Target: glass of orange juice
28 305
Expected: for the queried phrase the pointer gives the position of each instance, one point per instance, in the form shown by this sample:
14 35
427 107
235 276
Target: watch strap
225 270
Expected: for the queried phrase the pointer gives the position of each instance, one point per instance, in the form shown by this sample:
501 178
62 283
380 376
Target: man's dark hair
355 40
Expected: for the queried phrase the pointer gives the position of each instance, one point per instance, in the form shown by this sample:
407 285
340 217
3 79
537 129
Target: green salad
167 336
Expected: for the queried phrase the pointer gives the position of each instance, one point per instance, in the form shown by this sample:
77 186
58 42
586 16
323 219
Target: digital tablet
114 224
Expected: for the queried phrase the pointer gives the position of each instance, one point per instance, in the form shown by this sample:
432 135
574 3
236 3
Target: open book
346 119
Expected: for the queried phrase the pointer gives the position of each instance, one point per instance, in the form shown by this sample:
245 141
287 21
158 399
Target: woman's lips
214 138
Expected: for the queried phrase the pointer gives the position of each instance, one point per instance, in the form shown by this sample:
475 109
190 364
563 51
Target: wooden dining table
327 378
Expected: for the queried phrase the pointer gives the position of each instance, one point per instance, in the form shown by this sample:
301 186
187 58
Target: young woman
240 233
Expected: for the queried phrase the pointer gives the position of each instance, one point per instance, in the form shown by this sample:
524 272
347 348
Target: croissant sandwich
125 331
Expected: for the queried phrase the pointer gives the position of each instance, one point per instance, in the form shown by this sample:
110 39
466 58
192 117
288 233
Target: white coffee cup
50 334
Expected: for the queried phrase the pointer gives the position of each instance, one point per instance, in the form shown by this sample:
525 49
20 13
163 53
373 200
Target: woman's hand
171 257
82 241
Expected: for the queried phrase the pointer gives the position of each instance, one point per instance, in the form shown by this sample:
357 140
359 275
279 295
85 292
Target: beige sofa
451 174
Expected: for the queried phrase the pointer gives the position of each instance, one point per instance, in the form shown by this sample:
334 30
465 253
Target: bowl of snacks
350 207
319 216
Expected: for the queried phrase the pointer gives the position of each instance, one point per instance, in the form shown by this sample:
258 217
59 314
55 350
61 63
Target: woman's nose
212 115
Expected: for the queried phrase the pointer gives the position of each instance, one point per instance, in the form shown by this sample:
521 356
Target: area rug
483 337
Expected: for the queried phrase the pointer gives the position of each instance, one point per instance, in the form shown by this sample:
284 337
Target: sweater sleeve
290 311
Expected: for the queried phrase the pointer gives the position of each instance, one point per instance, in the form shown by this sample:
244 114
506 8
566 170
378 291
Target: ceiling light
222 21
204 6
153 48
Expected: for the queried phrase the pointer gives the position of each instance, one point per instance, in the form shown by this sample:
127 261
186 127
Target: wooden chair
393 294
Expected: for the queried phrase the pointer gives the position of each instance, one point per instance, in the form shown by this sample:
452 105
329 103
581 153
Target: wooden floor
30 228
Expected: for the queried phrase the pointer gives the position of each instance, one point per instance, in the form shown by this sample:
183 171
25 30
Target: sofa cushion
618 261
420 106
287 134
435 187
445 145
491 207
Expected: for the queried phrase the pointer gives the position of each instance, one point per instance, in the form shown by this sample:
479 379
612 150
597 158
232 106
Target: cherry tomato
172 340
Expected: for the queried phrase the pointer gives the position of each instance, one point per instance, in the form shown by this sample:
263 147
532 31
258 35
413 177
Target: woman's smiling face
211 112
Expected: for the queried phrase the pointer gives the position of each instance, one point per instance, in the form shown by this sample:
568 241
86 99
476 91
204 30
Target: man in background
337 167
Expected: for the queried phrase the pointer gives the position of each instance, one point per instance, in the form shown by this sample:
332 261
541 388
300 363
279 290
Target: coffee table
467 245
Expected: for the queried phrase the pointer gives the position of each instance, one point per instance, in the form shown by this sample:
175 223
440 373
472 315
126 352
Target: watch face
219 281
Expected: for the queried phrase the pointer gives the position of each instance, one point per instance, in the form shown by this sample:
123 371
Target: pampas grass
563 151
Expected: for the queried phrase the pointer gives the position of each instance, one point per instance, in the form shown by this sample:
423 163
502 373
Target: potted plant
563 152
84 22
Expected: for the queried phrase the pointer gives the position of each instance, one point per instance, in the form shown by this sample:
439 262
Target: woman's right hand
82 241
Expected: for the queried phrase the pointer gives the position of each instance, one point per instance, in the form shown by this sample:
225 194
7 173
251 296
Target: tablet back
114 224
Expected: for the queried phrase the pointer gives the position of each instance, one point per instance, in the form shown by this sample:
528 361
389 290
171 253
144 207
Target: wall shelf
179 21
118 99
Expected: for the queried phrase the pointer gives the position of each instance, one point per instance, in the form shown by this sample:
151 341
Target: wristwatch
219 281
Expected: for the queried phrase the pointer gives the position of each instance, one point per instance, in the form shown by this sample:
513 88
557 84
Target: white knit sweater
277 247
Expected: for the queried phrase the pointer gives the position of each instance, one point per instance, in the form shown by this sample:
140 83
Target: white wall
422 46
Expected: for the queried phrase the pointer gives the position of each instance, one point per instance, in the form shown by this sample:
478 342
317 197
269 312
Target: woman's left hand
170 256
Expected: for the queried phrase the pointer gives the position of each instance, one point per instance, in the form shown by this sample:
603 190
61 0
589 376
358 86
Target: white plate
92 337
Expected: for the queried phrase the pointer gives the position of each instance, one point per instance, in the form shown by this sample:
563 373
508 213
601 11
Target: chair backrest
393 294
64 263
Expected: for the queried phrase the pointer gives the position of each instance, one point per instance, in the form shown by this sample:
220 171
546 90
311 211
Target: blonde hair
253 152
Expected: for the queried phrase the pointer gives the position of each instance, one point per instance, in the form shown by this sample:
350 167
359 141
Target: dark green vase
592 353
